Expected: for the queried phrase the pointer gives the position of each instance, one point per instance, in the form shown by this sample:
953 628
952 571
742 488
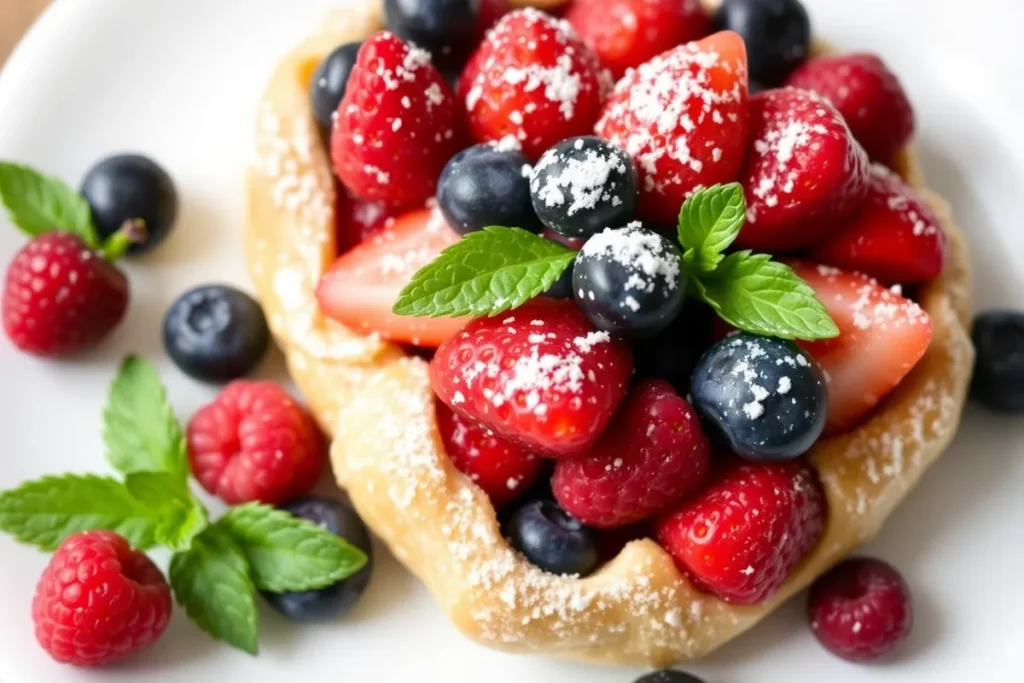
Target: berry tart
617 454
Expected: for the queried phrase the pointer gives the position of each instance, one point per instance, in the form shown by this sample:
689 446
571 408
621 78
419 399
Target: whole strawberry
99 600
60 296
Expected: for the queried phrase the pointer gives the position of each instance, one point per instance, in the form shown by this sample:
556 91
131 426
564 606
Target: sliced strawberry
882 336
362 285
682 116
895 236
357 220
627 33
804 174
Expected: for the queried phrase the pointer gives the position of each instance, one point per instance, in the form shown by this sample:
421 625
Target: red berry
740 538
356 219
255 442
651 456
804 174
397 124
61 297
501 468
894 236
682 116
540 376
99 600
531 79
869 97
861 609
627 33
490 12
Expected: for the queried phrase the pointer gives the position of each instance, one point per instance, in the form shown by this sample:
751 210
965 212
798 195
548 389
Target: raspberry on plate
627 33
540 376
397 124
894 236
99 600
682 116
501 468
867 94
651 456
804 175
255 442
740 537
533 80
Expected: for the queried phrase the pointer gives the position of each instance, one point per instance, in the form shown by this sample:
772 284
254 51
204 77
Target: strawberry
741 537
627 33
531 79
540 376
895 236
867 94
804 172
501 468
651 456
490 12
363 284
357 220
61 296
682 116
397 124
881 338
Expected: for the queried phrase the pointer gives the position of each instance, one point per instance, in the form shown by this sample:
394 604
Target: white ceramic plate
178 79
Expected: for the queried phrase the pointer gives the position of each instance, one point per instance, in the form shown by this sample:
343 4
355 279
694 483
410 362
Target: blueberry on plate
766 396
215 333
553 540
131 187
583 185
668 676
444 28
336 599
629 281
999 364
777 34
486 185
329 82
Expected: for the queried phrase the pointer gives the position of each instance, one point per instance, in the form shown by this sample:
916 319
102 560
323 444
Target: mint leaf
486 272
211 583
46 511
182 517
758 295
38 204
709 222
286 553
139 427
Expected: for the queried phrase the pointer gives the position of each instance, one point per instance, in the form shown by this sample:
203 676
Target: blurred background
15 17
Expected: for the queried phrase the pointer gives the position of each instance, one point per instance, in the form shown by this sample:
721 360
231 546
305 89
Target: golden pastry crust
377 404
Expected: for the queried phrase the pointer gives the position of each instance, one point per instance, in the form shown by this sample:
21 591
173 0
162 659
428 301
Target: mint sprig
709 222
485 273
38 204
180 516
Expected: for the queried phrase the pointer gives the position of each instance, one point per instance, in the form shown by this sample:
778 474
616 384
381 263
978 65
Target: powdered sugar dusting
645 255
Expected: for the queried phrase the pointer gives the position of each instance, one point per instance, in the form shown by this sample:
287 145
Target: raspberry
255 442
99 600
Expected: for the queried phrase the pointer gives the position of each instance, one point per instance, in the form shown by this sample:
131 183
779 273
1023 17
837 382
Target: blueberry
562 288
583 185
629 281
999 365
668 676
485 185
215 333
777 34
131 187
672 354
444 28
553 540
336 599
329 81
766 396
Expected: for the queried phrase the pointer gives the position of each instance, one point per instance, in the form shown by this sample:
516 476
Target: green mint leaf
758 295
182 517
286 553
709 222
38 204
46 511
139 427
211 583
486 272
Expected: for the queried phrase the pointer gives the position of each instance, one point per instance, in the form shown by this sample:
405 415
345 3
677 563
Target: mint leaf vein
39 204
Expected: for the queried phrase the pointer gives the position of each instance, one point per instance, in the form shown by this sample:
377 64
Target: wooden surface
15 17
